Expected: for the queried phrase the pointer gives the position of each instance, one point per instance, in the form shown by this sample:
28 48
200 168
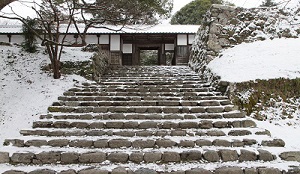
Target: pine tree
268 3
29 44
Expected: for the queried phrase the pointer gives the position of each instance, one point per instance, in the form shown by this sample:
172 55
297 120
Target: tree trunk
56 69
4 3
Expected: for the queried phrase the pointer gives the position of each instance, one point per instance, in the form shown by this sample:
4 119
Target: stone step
166 94
143 124
142 89
255 133
66 156
230 116
149 78
132 143
173 82
141 109
194 168
96 86
139 98
145 103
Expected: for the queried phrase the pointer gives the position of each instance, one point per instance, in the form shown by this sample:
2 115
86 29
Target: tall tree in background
193 12
268 3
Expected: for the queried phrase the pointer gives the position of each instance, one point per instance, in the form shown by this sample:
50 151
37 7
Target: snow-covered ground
259 60
27 91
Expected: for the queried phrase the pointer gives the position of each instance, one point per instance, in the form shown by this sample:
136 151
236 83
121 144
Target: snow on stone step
145 120
138 98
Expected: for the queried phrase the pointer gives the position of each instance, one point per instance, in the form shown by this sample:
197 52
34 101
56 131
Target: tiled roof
179 29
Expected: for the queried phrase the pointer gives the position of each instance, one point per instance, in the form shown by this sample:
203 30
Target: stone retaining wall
100 63
225 26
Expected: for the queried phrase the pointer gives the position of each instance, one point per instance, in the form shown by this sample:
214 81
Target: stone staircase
145 120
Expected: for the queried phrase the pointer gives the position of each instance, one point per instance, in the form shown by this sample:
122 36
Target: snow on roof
142 29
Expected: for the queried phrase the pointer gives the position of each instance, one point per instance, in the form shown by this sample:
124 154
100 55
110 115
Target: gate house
125 44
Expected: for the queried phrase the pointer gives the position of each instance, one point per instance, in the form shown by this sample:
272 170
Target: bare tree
55 17
120 12
4 3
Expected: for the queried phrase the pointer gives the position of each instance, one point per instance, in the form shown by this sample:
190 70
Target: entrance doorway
149 56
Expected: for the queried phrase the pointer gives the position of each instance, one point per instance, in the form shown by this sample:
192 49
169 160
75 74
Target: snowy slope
259 60
26 91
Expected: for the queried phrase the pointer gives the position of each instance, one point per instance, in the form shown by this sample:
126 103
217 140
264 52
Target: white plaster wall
68 40
115 43
4 38
182 39
91 39
127 48
17 39
104 39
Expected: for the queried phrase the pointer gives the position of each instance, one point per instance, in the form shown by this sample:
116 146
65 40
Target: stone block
22 158
131 125
211 156
170 125
215 133
145 171
206 124
178 133
70 171
101 143
250 171
191 155
239 132
203 142
223 143
228 155
165 143
92 157
136 157
248 123
43 171
290 156
269 171
81 143
4 157
93 171
36 143
188 125
229 170
221 124
118 143
273 143
148 125
198 171
265 155
170 157
187 143
143 144
69 158
96 125
58 143
119 170
47 158
114 125
118 157
152 157
247 155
